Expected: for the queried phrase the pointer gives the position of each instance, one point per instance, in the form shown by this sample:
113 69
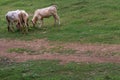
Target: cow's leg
26 25
40 21
8 23
56 18
34 20
27 22
12 26
20 26
21 22
17 26
23 27
8 26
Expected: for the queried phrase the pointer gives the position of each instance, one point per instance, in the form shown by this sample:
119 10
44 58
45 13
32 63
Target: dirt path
65 52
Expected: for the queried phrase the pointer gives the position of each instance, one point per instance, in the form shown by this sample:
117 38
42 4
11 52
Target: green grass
52 70
61 50
21 50
54 50
84 21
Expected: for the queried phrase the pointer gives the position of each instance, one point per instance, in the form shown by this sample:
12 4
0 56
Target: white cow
20 17
39 14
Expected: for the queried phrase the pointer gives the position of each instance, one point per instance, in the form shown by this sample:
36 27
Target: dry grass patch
58 50
21 50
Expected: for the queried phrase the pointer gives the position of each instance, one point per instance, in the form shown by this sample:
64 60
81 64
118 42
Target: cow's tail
7 18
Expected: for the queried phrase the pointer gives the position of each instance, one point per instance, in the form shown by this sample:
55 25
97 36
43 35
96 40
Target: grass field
82 21
52 70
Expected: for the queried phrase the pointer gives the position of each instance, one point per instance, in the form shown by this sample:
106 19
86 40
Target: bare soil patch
47 50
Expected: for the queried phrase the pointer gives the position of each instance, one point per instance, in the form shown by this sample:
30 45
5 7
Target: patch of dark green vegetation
21 50
52 70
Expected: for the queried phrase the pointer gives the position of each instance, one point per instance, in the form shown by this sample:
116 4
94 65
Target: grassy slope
51 70
85 21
